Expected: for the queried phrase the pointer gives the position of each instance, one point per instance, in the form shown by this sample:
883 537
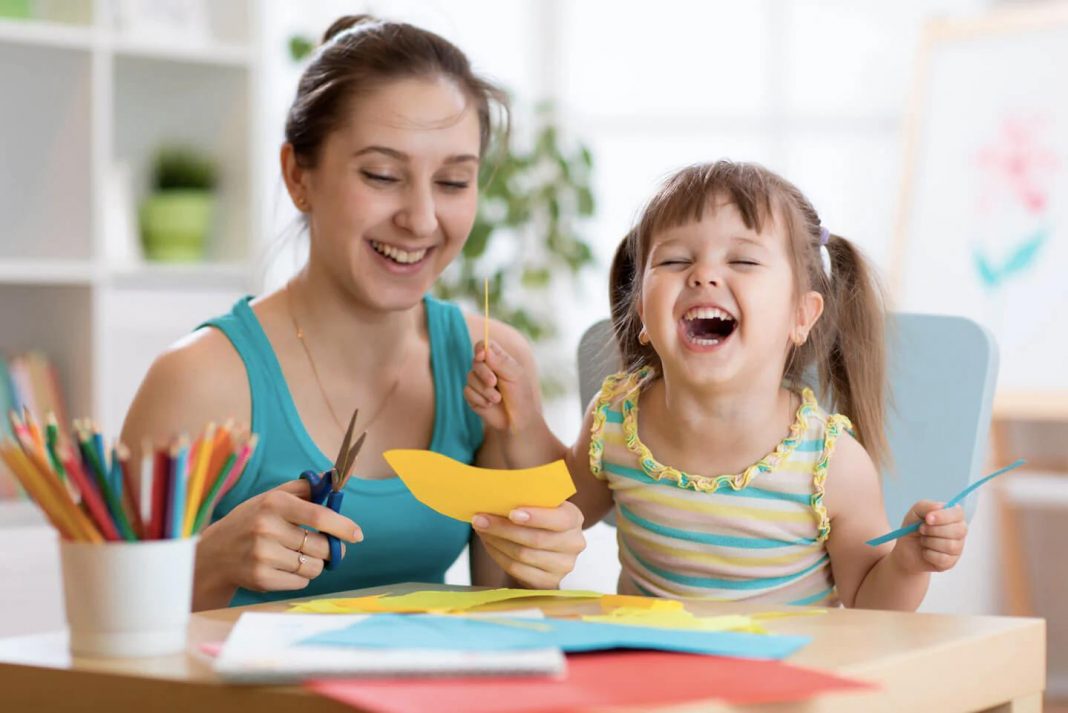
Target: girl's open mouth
707 326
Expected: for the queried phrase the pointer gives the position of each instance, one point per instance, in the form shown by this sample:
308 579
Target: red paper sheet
599 679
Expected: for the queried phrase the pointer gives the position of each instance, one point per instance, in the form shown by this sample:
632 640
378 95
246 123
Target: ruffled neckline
709 483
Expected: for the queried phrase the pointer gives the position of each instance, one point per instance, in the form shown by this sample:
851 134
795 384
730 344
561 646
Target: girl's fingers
476 400
955 530
945 516
488 393
484 374
940 561
943 545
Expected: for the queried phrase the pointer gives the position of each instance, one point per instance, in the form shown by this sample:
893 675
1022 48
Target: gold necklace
319 382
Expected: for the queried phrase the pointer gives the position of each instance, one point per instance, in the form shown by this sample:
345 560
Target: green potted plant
176 217
527 240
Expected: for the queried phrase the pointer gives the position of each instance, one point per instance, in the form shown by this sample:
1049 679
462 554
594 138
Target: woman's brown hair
358 54
847 343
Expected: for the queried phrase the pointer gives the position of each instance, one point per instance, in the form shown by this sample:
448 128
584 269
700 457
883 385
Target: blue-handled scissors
326 487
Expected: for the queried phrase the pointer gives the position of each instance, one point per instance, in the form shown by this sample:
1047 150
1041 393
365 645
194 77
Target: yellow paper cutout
680 619
433 601
611 602
461 491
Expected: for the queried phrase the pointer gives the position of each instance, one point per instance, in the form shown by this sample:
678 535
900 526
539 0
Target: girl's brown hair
360 53
847 343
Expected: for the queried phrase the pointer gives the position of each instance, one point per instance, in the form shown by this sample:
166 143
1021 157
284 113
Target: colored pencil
198 474
177 488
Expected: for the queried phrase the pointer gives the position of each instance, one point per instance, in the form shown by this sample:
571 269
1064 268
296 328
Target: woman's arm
202 379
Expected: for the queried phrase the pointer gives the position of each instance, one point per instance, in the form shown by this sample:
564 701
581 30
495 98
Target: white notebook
262 648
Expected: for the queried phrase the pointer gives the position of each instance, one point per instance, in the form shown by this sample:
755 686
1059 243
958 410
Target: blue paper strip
395 631
902 531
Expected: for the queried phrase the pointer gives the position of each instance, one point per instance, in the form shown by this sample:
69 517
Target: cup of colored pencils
127 531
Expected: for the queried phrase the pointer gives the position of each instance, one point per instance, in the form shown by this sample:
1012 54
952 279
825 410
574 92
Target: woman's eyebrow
401 156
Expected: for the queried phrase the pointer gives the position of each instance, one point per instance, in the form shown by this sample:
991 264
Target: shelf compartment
45 121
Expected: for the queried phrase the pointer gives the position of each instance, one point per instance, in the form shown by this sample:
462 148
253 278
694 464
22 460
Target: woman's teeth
397 255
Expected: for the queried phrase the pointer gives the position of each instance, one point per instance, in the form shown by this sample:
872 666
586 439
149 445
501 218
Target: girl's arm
592 495
533 547
503 389
894 575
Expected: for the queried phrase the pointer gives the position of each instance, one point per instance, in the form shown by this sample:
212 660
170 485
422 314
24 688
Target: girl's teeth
706 313
397 255
705 342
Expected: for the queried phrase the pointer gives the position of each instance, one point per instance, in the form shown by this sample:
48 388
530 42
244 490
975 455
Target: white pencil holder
127 599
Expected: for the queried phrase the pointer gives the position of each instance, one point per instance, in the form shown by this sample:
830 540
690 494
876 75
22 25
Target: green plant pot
175 224
18 9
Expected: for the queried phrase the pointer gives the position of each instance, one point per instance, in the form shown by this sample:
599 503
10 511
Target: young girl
729 479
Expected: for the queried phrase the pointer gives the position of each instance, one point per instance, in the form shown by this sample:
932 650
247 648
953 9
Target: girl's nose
702 275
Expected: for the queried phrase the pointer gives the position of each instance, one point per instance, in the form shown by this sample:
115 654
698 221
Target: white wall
815 89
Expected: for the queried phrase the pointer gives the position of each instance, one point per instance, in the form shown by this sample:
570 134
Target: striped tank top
759 535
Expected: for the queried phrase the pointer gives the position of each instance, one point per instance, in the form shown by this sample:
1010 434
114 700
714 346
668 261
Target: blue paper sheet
454 633
955 500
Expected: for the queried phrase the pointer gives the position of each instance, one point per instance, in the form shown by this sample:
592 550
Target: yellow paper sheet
433 601
462 491
611 602
679 619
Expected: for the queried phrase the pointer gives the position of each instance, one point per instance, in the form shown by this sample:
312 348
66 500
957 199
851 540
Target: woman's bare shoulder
198 379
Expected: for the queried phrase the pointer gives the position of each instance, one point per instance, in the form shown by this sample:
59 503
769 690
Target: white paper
262 648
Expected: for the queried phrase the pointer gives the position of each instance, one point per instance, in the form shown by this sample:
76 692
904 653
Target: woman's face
394 193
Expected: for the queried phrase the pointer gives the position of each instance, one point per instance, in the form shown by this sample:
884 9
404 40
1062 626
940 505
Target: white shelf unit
79 105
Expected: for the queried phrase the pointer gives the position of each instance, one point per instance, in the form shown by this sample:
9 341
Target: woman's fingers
533 577
317 517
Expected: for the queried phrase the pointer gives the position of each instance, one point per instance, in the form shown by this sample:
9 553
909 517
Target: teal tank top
404 540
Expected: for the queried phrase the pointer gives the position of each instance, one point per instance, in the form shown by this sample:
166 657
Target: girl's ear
809 309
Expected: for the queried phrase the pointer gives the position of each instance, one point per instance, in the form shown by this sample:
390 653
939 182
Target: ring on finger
303 542
301 559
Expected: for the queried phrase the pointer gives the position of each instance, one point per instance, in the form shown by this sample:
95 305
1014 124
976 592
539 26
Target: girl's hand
535 546
260 543
498 391
938 544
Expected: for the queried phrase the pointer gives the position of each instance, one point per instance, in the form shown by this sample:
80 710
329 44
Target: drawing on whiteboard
1017 169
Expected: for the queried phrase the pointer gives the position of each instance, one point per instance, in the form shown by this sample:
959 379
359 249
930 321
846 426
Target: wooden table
923 662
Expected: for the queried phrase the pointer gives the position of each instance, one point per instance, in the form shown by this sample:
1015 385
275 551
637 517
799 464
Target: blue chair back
942 372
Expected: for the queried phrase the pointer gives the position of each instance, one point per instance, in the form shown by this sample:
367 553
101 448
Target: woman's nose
418 215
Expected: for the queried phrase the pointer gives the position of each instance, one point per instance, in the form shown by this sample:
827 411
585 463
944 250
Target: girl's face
718 299
394 193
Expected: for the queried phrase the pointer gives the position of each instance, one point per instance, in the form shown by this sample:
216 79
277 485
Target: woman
383 145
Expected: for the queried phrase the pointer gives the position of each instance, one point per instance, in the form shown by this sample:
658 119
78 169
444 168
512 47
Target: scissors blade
353 452
342 454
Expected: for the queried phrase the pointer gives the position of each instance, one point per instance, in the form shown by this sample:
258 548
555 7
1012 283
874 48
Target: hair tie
825 254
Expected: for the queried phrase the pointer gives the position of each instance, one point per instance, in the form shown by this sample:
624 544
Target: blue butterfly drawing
1022 257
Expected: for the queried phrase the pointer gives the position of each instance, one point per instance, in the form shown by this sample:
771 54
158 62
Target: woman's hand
264 545
535 546
498 390
937 545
